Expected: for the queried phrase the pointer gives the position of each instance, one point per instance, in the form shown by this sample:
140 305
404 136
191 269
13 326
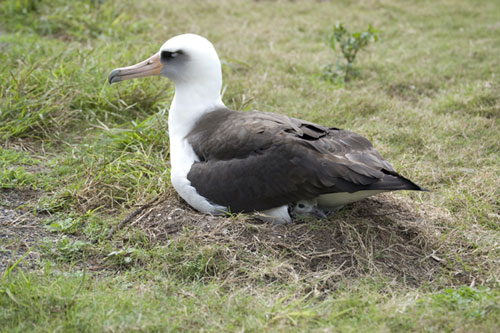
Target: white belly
333 200
278 215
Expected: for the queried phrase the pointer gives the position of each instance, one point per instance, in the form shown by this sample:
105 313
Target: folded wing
251 161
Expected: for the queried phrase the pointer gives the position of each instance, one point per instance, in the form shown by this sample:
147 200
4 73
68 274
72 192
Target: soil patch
20 229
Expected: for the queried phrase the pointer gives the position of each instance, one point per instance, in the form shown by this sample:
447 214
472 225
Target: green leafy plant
350 44
65 248
125 256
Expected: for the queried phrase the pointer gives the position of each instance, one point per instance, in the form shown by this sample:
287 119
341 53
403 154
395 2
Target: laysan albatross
227 161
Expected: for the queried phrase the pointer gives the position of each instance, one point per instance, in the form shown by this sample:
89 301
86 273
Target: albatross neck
191 101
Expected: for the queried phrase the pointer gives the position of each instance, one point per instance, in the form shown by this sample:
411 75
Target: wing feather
256 161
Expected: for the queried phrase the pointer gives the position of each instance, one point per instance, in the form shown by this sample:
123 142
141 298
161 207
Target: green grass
75 300
427 96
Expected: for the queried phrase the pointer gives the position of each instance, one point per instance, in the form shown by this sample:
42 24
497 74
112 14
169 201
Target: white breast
182 156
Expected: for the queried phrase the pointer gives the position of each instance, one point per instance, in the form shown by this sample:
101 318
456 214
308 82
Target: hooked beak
148 67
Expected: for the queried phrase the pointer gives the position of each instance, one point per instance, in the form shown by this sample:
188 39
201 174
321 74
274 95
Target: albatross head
188 60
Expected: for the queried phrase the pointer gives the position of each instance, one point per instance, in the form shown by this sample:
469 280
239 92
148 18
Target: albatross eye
167 55
301 205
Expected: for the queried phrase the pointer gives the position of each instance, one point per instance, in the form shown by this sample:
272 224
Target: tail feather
395 182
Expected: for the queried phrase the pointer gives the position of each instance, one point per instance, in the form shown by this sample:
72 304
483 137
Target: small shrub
350 44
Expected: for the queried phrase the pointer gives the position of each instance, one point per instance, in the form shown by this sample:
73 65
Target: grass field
78 155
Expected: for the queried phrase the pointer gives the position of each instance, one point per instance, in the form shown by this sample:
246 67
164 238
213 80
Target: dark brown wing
255 161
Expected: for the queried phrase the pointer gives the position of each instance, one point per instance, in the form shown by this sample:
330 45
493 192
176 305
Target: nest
386 236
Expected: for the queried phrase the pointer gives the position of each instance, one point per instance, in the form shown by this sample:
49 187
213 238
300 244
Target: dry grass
388 237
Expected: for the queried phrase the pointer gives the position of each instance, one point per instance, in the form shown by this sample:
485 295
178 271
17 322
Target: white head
188 60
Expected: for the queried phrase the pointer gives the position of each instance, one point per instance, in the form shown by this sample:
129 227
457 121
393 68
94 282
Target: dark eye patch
168 55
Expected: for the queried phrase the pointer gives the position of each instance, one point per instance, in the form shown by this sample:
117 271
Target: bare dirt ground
20 229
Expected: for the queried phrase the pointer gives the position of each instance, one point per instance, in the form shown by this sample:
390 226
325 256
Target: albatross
254 162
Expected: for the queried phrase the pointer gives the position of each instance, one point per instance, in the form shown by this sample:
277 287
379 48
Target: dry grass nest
388 236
